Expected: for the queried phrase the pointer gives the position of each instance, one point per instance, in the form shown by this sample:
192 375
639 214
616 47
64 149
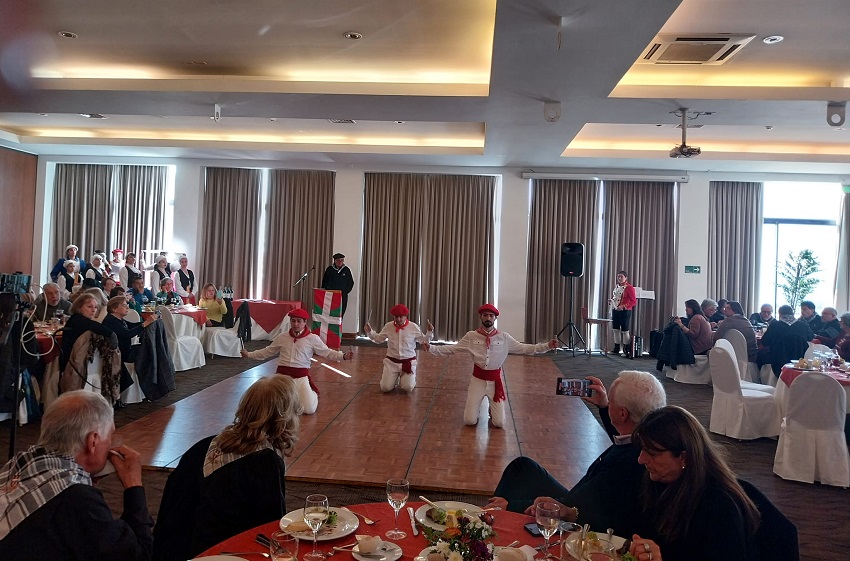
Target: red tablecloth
789 374
44 343
508 527
268 313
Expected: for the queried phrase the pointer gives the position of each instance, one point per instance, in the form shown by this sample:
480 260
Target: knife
412 521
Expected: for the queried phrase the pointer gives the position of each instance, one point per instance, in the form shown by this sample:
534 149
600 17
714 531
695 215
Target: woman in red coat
622 301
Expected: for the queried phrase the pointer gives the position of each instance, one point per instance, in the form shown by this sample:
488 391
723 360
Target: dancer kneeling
401 336
295 348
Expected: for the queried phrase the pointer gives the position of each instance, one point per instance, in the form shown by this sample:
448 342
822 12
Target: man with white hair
607 495
49 508
49 303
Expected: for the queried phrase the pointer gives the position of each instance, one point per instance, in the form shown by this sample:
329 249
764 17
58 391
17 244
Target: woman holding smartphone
213 302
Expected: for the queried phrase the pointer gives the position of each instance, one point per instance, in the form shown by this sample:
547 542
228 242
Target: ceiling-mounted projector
683 150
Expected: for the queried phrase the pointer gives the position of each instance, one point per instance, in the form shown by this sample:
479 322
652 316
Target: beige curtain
457 254
735 220
842 269
392 245
231 214
299 232
139 208
428 243
82 208
640 238
561 211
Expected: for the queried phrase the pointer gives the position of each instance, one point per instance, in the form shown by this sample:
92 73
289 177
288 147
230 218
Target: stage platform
362 436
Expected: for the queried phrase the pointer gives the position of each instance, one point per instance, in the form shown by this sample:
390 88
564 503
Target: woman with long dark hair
696 327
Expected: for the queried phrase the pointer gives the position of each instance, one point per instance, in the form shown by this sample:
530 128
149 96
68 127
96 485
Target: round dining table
508 527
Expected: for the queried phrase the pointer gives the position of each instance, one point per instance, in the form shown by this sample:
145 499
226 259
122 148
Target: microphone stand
300 281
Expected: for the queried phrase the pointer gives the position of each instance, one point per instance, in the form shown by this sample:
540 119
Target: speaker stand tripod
574 334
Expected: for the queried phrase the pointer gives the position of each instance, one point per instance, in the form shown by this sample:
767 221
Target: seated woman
100 299
226 484
214 304
184 281
83 314
117 309
166 294
69 280
108 284
695 509
696 327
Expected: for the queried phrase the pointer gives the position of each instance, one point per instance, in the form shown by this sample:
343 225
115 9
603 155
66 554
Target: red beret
299 313
399 310
488 308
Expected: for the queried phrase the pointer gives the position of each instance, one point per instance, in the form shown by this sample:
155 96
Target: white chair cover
749 370
736 412
816 348
221 341
767 376
186 352
260 334
134 393
133 316
745 385
811 442
697 373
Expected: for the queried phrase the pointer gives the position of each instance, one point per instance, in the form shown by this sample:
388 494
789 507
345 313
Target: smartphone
532 529
574 387
218 293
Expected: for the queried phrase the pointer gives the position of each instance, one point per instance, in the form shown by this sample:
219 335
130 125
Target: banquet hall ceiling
428 82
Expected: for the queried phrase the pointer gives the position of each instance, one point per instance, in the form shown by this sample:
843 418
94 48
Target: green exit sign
692 269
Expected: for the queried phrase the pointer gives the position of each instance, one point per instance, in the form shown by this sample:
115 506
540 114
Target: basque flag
327 323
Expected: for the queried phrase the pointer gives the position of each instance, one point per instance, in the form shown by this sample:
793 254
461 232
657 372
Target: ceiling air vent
706 48
342 121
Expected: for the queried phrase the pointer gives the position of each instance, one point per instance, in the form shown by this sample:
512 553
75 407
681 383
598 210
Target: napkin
529 551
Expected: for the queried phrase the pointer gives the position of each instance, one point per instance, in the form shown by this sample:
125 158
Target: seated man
52 511
140 293
785 340
830 328
49 303
810 316
734 314
764 316
607 495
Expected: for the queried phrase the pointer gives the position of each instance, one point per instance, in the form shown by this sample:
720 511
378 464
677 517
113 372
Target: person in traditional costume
401 336
69 280
116 264
184 281
70 255
295 348
622 301
489 348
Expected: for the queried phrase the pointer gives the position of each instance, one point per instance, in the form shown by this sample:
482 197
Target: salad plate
388 551
346 523
445 505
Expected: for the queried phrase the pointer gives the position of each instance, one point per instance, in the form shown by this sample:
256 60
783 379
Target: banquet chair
697 373
222 341
811 445
745 385
816 348
132 316
134 393
187 352
736 412
749 370
589 322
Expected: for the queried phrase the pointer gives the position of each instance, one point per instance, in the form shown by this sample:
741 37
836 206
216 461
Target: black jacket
675 348
154 366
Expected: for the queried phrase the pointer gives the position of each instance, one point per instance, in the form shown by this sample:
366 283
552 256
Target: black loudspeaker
572 259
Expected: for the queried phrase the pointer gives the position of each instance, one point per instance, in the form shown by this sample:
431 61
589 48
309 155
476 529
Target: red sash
491 376
293 372
405 363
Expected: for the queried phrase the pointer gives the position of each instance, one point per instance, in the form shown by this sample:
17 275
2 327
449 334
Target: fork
266 555
366 519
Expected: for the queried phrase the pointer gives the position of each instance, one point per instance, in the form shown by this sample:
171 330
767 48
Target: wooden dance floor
362 436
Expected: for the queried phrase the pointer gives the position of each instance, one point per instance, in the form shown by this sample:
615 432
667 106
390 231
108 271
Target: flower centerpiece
467 540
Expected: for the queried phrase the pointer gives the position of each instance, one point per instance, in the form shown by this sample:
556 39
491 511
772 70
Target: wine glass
397 492
548 517
283 547
315 514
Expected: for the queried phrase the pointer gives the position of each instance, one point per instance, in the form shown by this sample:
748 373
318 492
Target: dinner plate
346 523
388 551
572 544
445 505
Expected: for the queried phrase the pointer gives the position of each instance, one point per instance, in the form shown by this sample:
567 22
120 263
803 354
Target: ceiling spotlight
398 122
768 127
42 114
273 119
835 113
773 39
353 35
92 115
67 35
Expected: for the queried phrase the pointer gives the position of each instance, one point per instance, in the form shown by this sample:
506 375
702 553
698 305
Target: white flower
455 556
442 548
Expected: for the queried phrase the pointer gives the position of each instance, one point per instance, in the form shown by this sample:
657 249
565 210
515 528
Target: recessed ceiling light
839 128
42 114
773 39
67 35
768 127
398 122
92 115
353 35
272 119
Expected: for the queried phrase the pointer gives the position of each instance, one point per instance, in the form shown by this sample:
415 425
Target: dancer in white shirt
296 348
489 348
401 336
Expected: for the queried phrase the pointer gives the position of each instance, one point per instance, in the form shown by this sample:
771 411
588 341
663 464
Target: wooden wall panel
17 209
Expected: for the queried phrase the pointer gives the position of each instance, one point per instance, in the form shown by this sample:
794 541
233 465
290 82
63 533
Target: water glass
283 547
316 512
397 492
548 518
